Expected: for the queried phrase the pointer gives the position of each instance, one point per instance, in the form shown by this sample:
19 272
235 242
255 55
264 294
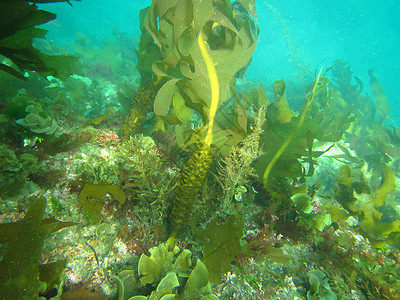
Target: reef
168 175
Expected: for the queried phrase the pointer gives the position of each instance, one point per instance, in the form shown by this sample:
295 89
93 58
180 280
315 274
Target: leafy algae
20 264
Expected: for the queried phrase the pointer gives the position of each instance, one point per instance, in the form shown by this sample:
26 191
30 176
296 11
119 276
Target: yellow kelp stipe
286 143
212 74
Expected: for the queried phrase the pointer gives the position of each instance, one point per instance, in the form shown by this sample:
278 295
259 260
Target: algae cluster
205 184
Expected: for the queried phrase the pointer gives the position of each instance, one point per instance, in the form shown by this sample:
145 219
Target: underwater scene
199 149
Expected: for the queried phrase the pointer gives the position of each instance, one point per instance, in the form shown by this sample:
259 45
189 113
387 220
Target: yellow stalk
212 74
295 131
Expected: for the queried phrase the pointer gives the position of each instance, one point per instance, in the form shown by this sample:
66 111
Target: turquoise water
296 39
200 162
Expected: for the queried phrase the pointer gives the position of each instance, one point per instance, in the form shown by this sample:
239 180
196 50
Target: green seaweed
304 206
37 121
173 276
319 286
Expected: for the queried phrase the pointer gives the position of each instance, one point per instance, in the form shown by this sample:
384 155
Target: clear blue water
297 37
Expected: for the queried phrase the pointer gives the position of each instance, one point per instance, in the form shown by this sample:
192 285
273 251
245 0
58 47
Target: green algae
170 273
319 286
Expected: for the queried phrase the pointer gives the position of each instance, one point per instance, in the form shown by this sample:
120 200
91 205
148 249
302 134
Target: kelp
382 103
365 183
378 221
221 245
188 186
373 142
280 110
285 114
148 52
203 45
21 272
140 105
17 31
351 94
288 138
92 195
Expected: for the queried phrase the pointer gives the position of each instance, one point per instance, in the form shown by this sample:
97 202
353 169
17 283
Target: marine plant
236 168
139 106
377 219
170 275
15 169
221 244
203 45
22 277
224 244
17 31
37 121
319 220
97 164
145 176
283 115
288 139
91 198
319 286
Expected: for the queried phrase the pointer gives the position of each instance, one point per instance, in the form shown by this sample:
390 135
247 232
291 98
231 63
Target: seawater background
297 37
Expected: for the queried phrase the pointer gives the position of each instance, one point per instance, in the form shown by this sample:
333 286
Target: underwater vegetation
22 275
18 29
159 172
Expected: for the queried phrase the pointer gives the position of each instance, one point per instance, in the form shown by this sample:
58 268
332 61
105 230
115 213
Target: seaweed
145 175
377 221
221 245
148 52
203 49
382 103
92 195
319 286
288 140
37 121
140 105
188 186
17 31
282 130
203 46
170 275
16 169
236 168
21 273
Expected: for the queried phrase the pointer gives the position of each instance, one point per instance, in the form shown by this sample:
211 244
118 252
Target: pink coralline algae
109 139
